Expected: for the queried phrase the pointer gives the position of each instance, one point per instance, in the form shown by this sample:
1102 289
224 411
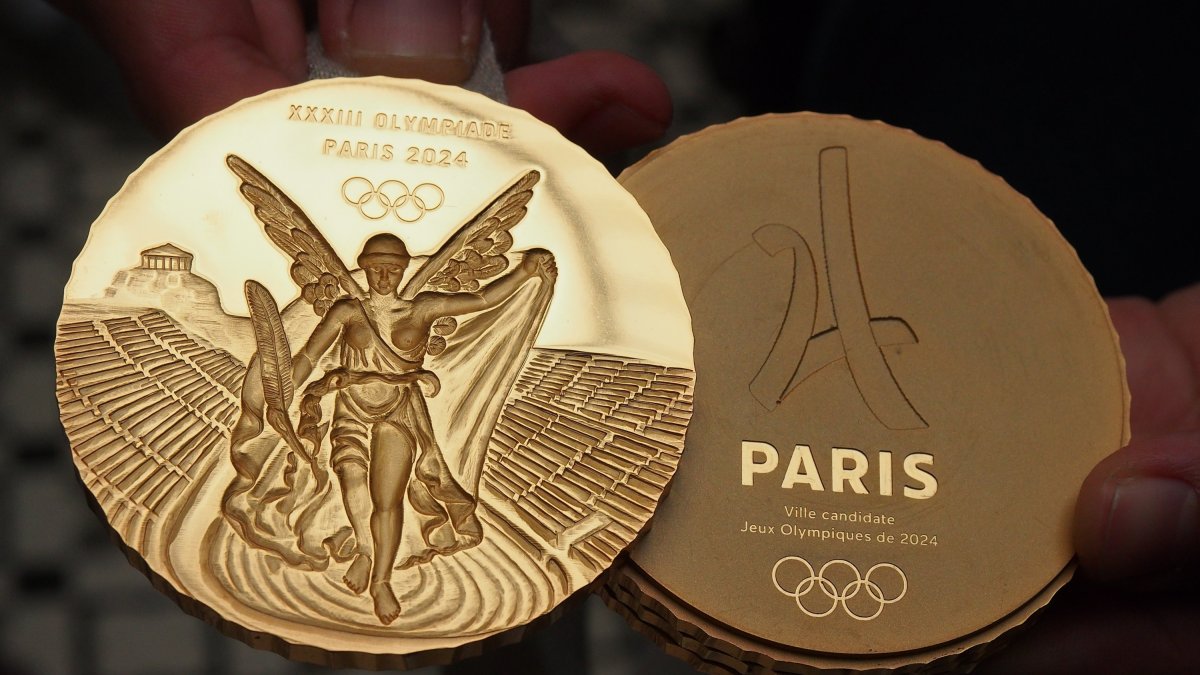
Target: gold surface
904 376
374 372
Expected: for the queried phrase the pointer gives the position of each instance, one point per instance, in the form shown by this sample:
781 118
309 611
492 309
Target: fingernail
435 40
1153 526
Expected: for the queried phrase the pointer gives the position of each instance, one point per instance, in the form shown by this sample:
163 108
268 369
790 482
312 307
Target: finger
1163 379
603 101
281 28
1138 512
184 60
1181 314
434 41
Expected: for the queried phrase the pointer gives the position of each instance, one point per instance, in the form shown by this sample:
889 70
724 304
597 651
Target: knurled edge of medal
715 647
323 657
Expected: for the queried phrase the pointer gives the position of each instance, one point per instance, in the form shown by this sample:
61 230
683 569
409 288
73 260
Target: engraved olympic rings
392 196
854 583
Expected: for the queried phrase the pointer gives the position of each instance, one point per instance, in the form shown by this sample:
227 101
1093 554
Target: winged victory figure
469 312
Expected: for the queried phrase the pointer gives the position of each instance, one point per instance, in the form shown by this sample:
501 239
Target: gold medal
904 376
373 372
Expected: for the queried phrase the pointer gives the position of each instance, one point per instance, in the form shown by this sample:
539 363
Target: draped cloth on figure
482 360
483 357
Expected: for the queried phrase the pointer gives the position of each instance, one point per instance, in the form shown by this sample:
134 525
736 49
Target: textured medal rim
441 656
708 644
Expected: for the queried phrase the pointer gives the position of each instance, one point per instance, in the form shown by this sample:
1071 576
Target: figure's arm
535 263
322 338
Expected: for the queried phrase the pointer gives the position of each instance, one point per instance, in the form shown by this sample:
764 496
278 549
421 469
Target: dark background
1087 108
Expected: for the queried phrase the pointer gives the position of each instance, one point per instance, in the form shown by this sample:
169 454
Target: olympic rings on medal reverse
818 580
392 196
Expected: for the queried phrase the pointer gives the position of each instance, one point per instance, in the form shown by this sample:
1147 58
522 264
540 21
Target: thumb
1138 513
434 40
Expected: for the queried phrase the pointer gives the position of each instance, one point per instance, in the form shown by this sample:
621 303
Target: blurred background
1087 110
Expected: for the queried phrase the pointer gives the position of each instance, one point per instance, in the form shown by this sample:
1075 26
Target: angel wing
317 269
476 251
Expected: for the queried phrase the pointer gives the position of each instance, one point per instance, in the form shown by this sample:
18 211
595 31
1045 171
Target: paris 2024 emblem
801 349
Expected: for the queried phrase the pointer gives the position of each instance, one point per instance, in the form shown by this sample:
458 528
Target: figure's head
384 258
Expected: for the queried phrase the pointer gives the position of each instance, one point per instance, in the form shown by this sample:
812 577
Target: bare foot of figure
359 573
387 608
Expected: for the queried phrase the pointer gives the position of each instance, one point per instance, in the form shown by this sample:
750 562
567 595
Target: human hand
1137 520
183 60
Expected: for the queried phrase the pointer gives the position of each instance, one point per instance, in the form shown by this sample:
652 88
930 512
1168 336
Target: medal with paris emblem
889 437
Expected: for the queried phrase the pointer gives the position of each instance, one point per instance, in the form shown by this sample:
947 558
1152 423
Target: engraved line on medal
874 588
392 197
856 336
